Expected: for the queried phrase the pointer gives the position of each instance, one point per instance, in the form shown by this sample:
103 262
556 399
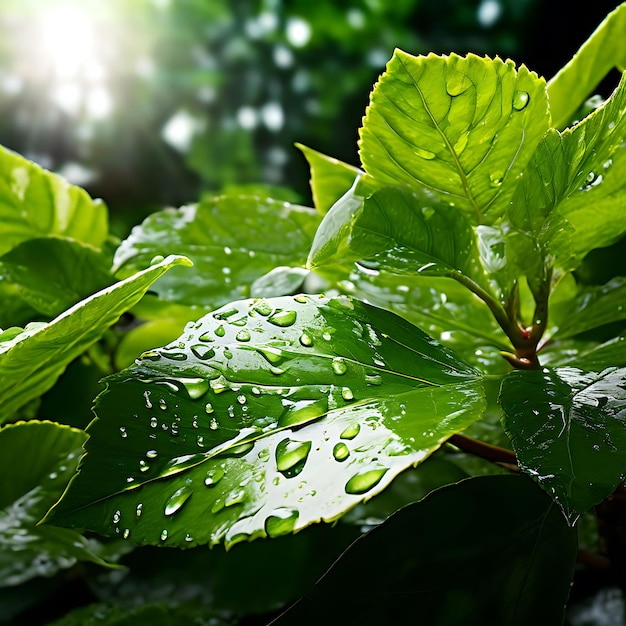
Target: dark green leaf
52 274
36 203
264 417
568 430
462 127
40 457
601 356
232 241
32 360
490 550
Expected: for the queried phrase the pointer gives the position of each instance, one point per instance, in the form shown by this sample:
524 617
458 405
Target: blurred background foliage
149 103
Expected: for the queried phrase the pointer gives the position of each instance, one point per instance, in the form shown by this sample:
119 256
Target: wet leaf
37 203
461 127
232 241
567 428
600 356
450 560
576 80
264 417
40 457
32 359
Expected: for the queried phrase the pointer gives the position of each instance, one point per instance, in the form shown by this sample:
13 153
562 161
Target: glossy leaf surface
232 241
568 430
32 359
450 560
462 127
264 417
40 458
36 203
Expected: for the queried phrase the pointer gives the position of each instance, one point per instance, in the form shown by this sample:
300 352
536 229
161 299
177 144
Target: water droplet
209 408
213 424
364 481
146 395
236 496
291 456
346 393
126 533
281 522
326 336
163 535
262 307
237 451
177 500
123 433
339 366
243 335
203 352
241 398
196 387
117 516
143 466
341 451
174 355
277 371
495 180
283 318
162 404
457 82
272 355
373 379
188 538
306 340
425 154
302 412
220 331
520 100
154 422
159 258
139 510
301 298
200 441
213 477
350 432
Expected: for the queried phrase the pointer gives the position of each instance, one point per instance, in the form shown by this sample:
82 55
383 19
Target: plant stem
495 454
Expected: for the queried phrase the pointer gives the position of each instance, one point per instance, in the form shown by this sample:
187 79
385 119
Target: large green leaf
36 203
607 354
32 359
462 127
232 241
40 457
568 430
51 274
575 81
330 178
264 417
491 550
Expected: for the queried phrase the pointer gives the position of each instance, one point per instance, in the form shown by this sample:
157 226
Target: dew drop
236 496
495 180
306 340
174 355
283 318
159 258
213 477
146 395
241 398
196 387
243 335
126 533
461 142
177 500
213 424
163 535
341 451
200 441
139 510
154 422
281 522
346 393
162 404
291 456
302 412
220 331
188 538
350 432
123 433
373 379
143 466
520 100
364 481
262 307
339 366
117 516
277 371
203 352
209 408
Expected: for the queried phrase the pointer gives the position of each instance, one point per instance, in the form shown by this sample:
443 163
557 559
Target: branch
494 454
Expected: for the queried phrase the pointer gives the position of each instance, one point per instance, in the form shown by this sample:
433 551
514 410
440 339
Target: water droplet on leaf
520 100
364 481
302 412
177 500
196 387
283 318
163 535
235 497
281 522
243 335
291 456
213 477
339 366
341 451
350 432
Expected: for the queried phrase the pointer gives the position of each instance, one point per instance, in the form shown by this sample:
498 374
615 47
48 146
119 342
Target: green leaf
264 417
232 241
36 203
575 81
52 274
450 560
567 428
40 457
330 178
600 356
462 127
32 360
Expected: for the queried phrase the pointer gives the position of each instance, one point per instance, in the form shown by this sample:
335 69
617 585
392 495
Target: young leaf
40 457
32 360
567 428
450 560
462 127
229 242
264 417
330 178
36 203
575 81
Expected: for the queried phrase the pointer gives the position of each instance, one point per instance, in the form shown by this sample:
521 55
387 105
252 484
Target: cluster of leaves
482 190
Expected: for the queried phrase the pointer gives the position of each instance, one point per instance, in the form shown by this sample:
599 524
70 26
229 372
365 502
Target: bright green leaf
31 361
36 203
575 81
568 430
490 550
330 178
607 354
264 417
461 127
232 241
40 457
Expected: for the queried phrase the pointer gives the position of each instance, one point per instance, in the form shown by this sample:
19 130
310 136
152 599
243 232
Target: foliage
241 407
